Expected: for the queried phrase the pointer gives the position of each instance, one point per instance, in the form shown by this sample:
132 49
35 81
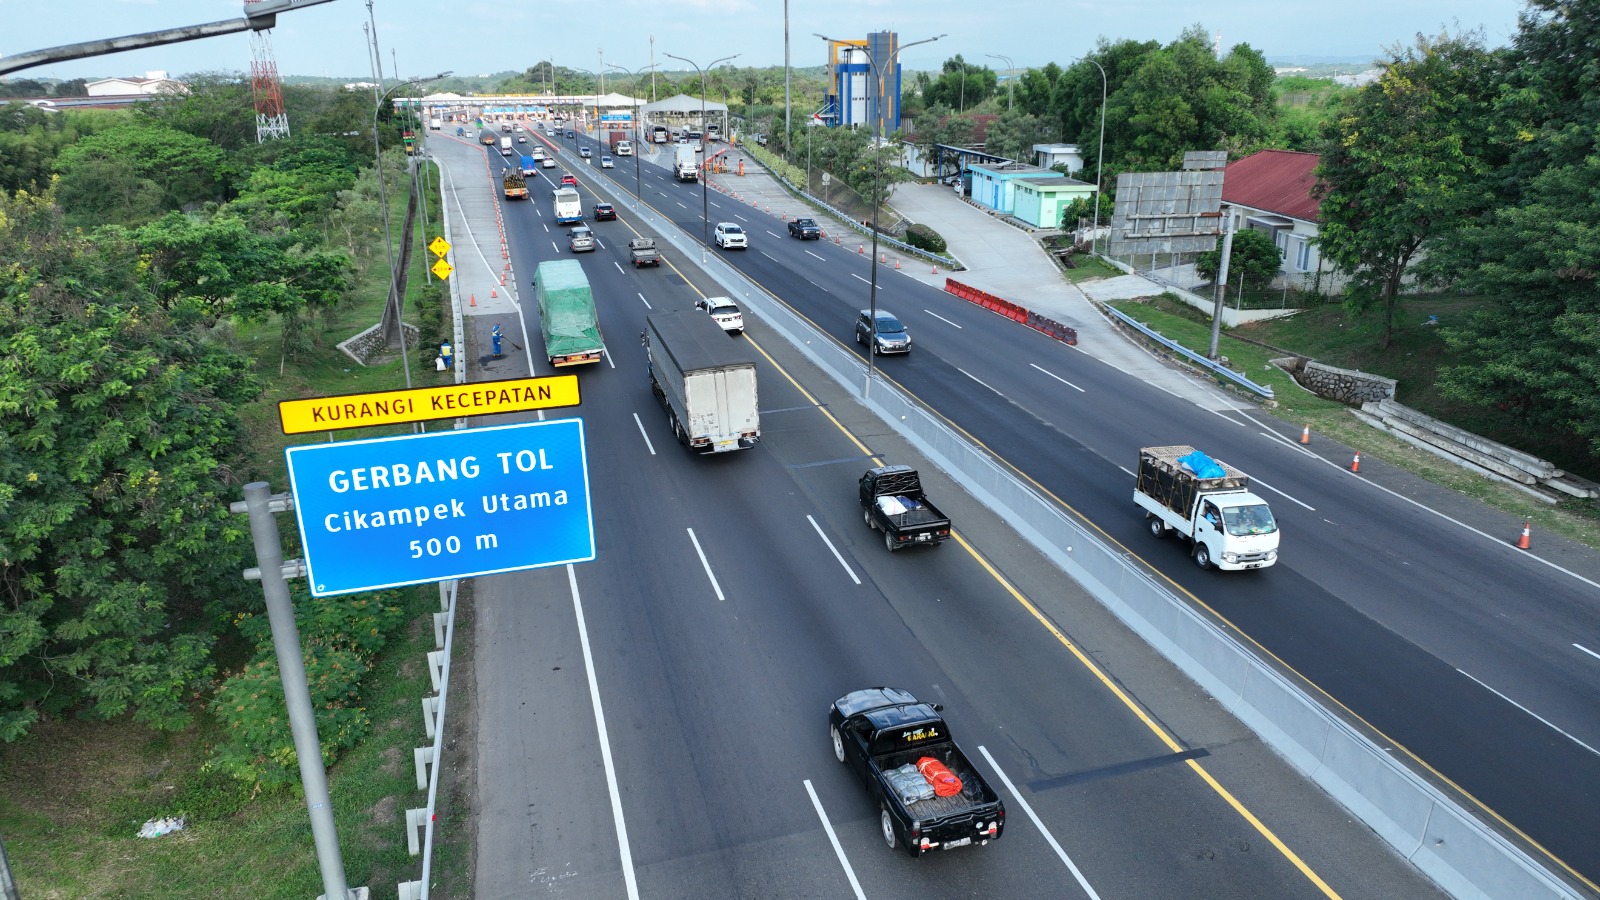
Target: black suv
805 230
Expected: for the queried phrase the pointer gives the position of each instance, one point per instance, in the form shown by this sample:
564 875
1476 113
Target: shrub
924 238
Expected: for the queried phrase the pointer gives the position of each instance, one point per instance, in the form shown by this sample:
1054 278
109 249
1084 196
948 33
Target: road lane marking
648 446
935 315
859 278
1587 650
834 840
709 574
618 265
835 550
809 253
646 302
773 233
1060 379
1254 480
605 741
976 378
680 204
1050 838
1530 712
739 217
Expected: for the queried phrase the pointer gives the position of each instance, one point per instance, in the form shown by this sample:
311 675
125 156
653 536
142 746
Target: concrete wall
1344 385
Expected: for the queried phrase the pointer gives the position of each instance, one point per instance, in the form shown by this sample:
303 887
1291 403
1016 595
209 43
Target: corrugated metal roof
1277 181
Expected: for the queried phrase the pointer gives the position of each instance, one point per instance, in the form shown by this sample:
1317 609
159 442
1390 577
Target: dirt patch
66 771
383 813
391 761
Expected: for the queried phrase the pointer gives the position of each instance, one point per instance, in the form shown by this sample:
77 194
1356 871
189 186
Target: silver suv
888 337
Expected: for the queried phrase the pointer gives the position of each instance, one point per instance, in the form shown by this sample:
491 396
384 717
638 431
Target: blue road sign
452 504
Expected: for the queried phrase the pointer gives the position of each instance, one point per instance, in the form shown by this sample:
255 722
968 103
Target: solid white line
834 840
809 253
836 555
646 302
709 574
934 314
741 218
618 265
1059 378
651 447
1534 714
1254 481
605 741
1228 419
976 378
1587 650
859 278
1292 445
1082 882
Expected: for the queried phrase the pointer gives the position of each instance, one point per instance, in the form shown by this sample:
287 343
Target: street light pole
638 133
1100 154
877 169
705 200
396 306
1011 76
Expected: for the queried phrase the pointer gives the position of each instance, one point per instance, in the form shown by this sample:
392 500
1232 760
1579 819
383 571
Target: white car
724 312
729 236
585 152
606 163
548 162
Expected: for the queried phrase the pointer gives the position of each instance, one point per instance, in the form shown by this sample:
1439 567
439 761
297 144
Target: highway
734 597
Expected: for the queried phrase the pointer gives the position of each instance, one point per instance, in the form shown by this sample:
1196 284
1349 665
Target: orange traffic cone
1305 435
935 268
1355 464
474 299
897 263
493 294
502 278
861 248
1522 542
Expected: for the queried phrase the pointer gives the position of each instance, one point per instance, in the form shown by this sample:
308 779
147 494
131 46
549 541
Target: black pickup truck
888 738
805 230
892 501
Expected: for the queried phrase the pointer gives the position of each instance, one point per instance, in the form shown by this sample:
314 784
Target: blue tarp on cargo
1202 465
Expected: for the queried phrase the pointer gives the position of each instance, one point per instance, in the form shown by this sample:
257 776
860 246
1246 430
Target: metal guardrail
1220 371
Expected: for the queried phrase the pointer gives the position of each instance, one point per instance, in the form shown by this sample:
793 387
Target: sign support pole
261 505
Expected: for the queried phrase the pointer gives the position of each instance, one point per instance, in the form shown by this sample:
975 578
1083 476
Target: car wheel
887 822
838 743
858 337
1202 556
1158 527
889 541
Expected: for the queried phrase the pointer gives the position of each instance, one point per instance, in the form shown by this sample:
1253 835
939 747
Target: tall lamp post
705 201
1011 76
1100 154
877 168
638 131
396 306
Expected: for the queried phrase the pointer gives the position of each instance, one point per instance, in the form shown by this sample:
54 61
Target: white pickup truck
1209 502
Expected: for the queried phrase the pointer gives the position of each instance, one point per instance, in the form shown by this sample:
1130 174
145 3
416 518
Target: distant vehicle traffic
642 252
568 208
516 186
892 502
581 240
606 163
659 134
585 152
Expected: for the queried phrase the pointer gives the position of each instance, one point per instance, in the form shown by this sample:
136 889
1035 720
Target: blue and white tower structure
855 98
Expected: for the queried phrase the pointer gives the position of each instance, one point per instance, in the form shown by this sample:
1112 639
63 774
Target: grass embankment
73 794
1330 335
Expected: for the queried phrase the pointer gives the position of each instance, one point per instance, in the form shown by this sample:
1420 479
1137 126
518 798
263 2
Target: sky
470 37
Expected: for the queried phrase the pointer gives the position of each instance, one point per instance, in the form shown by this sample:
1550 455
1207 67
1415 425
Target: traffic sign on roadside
478 398
442 270
440 247
406 510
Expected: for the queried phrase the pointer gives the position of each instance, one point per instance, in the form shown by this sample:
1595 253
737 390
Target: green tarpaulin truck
567 314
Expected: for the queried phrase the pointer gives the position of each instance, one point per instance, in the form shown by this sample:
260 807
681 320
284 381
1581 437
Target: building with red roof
1271 191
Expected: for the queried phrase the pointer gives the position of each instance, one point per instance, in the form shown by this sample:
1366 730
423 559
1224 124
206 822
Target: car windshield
889 325
731 229
1247 520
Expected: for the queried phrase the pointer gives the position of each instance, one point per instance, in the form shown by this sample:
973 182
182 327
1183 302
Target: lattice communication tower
272 121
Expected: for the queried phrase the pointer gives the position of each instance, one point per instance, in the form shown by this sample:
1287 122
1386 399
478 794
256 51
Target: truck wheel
866 516
887 822
1202 556
888 541
1158 527
838 743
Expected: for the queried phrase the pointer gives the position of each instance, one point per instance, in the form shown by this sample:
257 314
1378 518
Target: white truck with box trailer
705 381
686 167
1208 502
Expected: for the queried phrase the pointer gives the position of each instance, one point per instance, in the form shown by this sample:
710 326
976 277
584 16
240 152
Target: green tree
1253 255
185 168
1014 134
118 434
960 85
1535 350
1396 169
219 108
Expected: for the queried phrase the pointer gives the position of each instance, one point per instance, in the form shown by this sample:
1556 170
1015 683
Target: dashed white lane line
709 574
847 569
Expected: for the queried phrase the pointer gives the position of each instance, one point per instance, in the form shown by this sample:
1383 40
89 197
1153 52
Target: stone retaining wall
1347 386
362 347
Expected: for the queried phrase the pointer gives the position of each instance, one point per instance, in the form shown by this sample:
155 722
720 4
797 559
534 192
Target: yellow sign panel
440 246
442 270
424 404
